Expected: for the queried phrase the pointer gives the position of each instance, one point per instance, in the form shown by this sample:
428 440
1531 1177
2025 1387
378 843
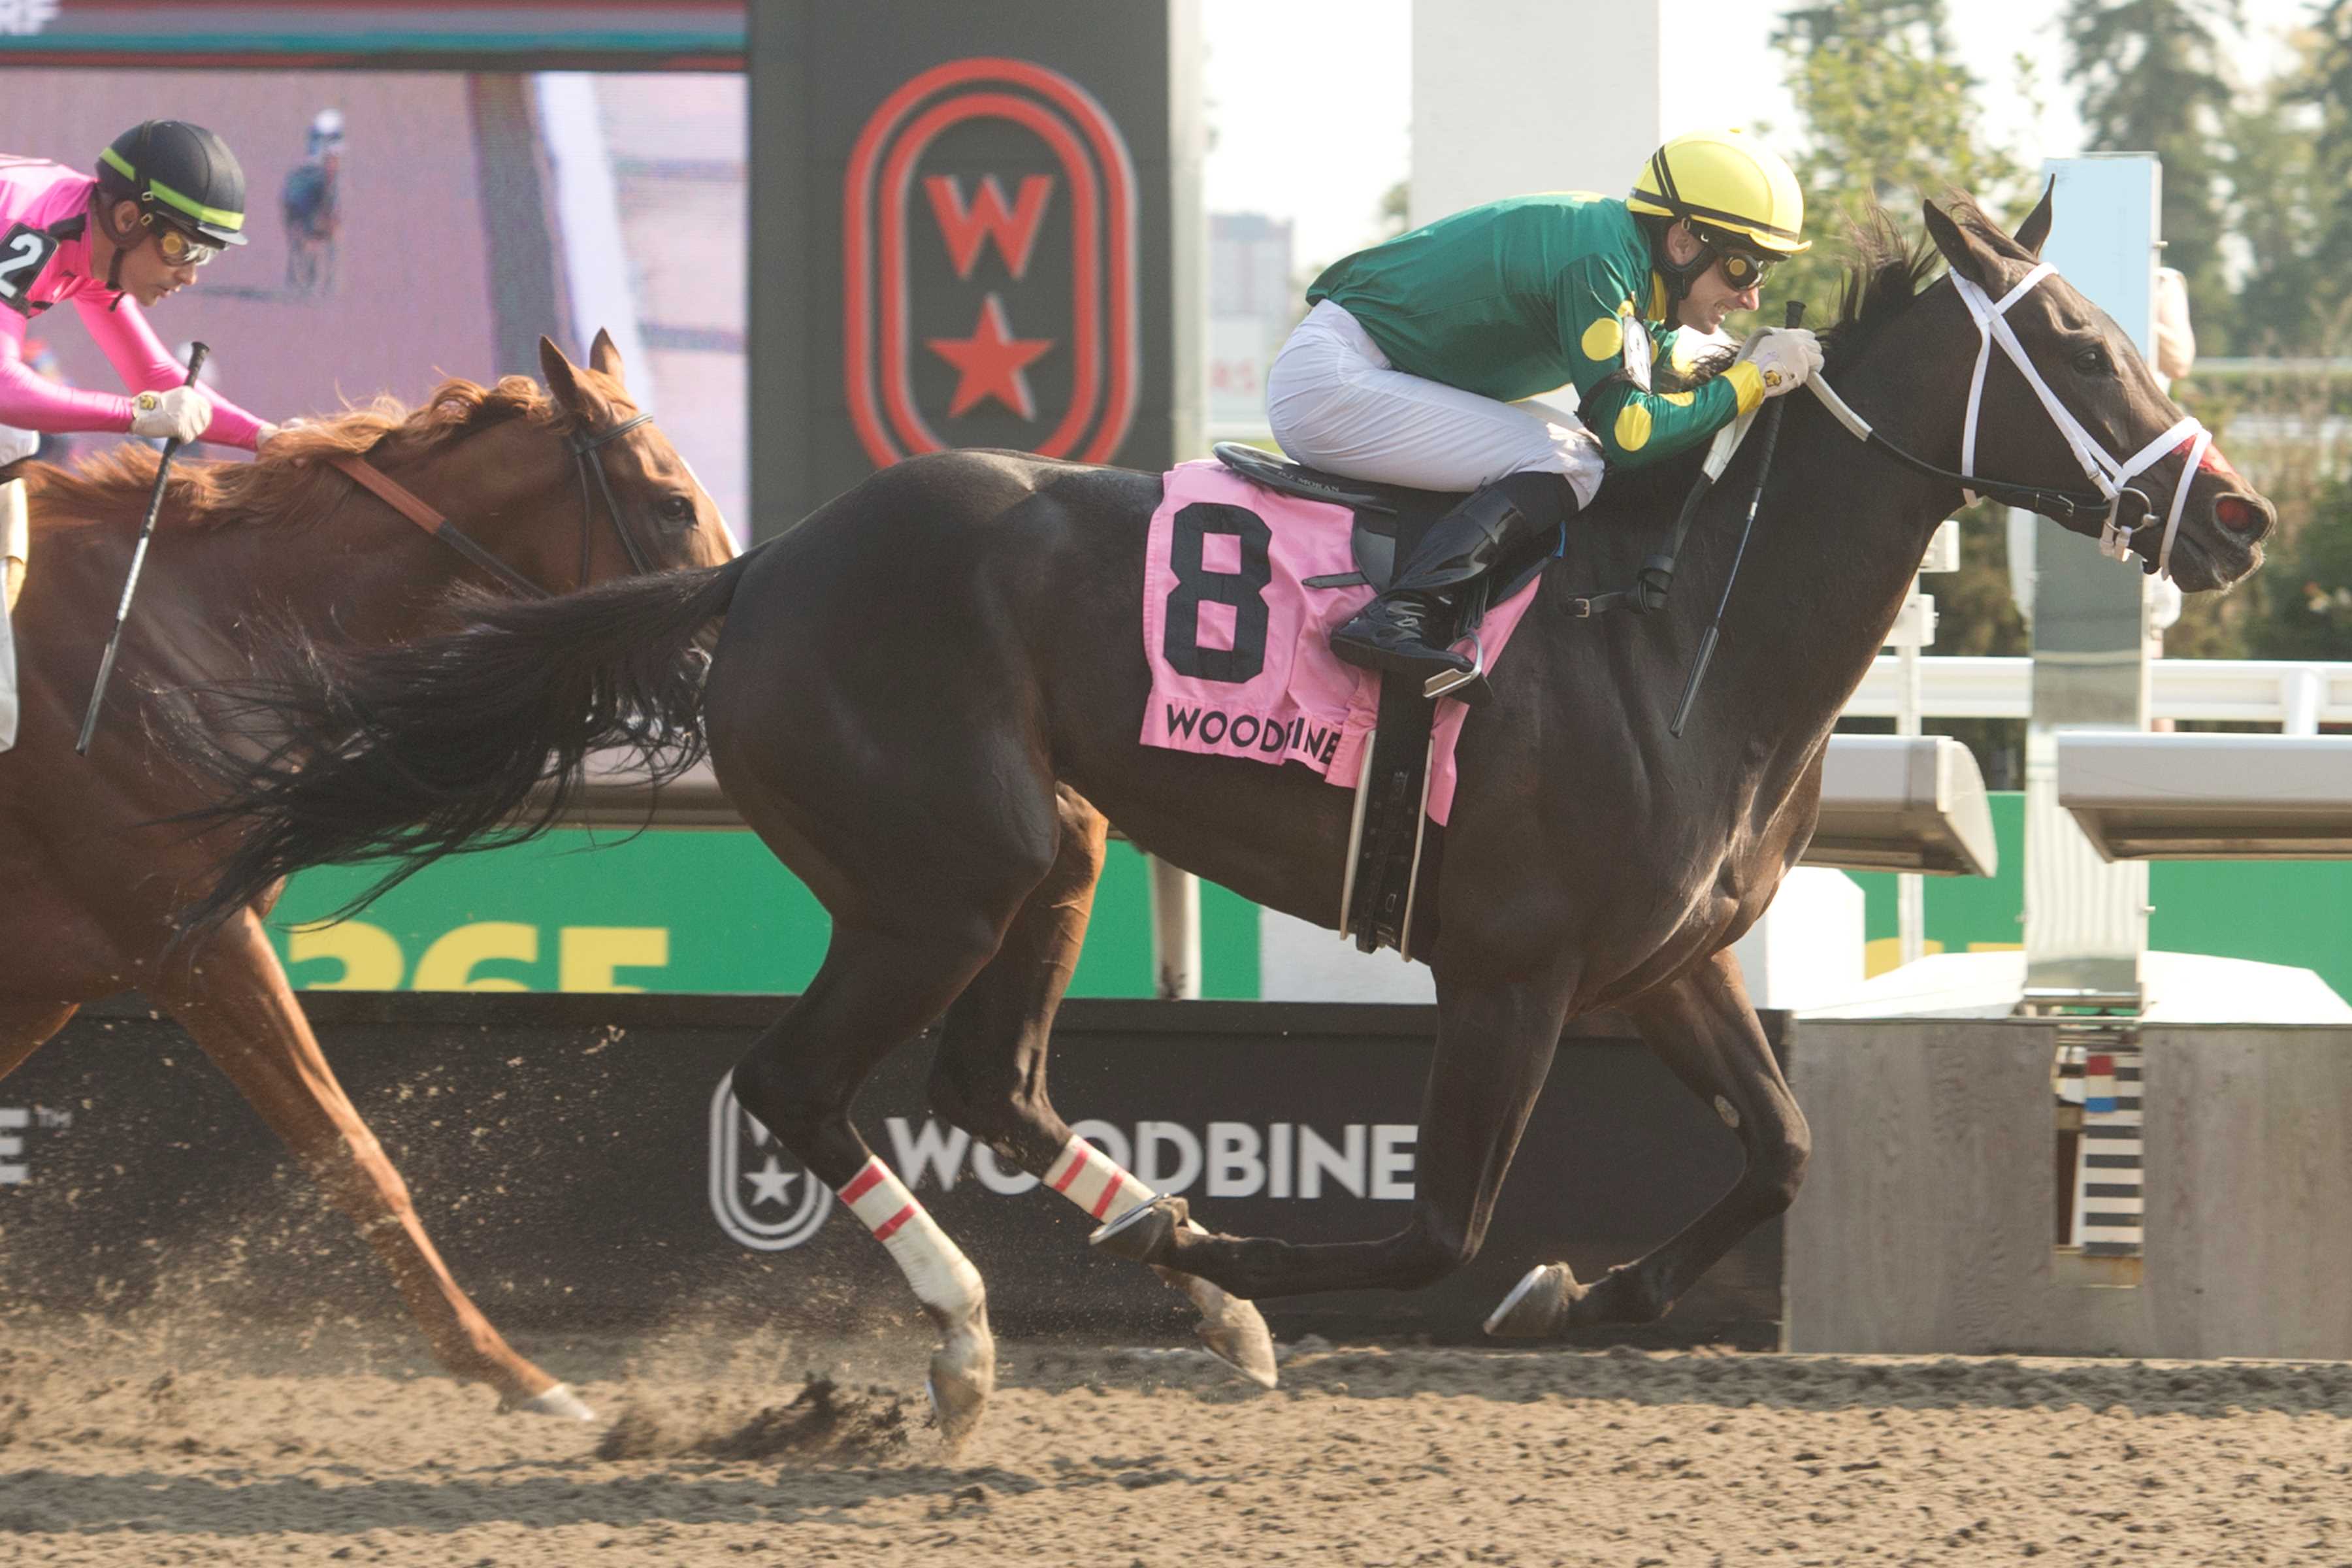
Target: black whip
137 559
1755 499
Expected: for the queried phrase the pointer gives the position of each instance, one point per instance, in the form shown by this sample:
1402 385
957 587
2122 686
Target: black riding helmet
179 173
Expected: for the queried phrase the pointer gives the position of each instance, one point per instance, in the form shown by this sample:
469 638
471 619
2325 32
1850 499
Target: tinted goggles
1745 269
181 249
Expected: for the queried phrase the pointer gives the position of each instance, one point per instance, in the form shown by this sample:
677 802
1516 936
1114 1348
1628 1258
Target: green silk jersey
1517 298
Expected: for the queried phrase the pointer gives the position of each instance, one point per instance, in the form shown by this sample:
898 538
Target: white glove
269 433
1785 356
180 415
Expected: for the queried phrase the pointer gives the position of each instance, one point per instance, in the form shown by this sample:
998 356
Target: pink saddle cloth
1239 646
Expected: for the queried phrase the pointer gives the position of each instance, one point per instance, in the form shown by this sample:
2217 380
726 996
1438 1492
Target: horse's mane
1884 276
290 480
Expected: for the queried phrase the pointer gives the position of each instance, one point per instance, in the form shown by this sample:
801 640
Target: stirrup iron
1447 681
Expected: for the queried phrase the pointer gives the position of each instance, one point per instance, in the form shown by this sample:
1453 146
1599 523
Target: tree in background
2308 581
2289 167
2151 80
2310 584
2277 215
1890 115
2325 88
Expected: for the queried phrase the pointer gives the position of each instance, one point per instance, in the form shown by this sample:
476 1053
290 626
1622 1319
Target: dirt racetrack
115 1450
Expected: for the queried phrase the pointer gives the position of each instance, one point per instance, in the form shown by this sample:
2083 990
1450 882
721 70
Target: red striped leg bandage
1095 1182
941 1275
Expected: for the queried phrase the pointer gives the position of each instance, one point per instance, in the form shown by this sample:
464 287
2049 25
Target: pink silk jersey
45 258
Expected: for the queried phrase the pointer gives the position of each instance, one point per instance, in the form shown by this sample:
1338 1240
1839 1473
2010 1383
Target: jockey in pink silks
167 198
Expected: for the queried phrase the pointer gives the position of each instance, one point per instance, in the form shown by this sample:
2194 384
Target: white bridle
2104 471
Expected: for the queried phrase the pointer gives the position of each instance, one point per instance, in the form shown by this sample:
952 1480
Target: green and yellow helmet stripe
219 216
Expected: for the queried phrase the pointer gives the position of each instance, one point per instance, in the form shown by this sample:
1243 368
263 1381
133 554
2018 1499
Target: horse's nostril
2239 514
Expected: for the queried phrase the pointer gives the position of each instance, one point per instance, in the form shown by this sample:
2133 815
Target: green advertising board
703 911
677 911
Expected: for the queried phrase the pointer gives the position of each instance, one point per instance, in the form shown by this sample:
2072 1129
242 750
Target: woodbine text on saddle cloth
1239 647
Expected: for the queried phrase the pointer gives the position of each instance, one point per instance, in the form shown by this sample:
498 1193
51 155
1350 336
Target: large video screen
409 226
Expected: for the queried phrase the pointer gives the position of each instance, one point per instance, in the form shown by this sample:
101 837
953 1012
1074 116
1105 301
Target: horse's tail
465 739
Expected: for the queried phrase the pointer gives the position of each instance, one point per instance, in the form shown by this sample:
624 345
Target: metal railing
2296 697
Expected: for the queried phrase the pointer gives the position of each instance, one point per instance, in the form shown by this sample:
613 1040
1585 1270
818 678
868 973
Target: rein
2112 476
416 510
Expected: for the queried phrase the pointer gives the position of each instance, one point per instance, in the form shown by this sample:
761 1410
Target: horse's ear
564 381
604 358
1967 253
2035 229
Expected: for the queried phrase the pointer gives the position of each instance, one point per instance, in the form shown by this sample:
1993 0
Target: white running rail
2292 697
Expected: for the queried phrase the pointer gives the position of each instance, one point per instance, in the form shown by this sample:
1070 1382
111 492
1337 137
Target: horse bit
584 449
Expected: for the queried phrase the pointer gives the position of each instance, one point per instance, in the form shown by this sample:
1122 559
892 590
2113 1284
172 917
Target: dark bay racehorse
926 698
90 876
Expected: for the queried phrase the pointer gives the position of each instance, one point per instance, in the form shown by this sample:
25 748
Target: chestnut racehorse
556 492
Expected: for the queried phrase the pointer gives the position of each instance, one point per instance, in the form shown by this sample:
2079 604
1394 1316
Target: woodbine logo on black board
765 1200
761 1197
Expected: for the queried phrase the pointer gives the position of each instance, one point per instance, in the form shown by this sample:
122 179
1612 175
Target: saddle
1376 899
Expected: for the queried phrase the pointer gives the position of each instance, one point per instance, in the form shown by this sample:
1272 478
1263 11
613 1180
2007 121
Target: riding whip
138 559
1755 499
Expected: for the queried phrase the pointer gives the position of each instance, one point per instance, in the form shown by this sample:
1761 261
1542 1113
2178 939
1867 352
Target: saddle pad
1239 647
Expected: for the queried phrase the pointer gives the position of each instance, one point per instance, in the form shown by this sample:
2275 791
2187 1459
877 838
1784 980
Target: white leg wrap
942 1276
1095 1182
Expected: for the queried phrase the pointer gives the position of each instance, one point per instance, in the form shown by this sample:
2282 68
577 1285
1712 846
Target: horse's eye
678 508
2093 360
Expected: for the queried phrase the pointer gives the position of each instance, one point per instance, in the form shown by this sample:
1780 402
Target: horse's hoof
1143 1235
1237 1335
1539 1304
557 1401
1623 1295
963 1375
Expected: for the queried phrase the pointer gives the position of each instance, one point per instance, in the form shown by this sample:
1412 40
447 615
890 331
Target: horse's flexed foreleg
989 1075
1705 1029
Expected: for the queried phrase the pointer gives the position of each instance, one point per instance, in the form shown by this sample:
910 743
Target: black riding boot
1407 627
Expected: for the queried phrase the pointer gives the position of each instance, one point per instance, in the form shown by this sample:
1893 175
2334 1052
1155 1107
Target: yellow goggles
181 249
1744 269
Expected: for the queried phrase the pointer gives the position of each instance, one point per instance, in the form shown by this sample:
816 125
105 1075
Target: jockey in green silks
1420 359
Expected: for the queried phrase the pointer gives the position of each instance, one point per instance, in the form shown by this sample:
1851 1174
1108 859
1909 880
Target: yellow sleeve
1636 426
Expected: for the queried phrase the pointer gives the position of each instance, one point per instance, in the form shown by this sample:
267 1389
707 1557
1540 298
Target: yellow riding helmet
1721 180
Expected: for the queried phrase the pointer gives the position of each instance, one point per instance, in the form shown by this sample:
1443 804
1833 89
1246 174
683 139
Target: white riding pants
1335 402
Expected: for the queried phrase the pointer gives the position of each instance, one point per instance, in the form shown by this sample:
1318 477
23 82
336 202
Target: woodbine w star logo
766 1200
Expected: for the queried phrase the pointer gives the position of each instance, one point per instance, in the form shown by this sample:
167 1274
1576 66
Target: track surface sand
277 1450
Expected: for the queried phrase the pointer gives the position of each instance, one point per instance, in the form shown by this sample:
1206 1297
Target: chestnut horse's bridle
583 446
